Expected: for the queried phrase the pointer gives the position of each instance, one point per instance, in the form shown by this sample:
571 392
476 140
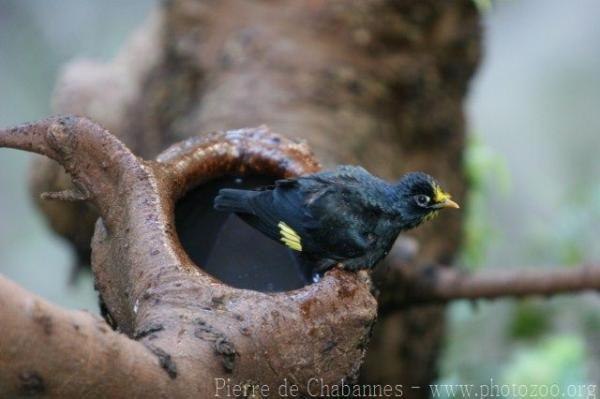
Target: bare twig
439 284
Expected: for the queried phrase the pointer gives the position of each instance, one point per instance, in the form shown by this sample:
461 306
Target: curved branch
96 160
198 328
439 284
69 354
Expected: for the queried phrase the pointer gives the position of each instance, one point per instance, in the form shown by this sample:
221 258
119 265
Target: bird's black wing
342 211
274 210
329 214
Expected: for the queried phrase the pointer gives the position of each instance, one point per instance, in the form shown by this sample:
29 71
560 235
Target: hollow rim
240 152
243 152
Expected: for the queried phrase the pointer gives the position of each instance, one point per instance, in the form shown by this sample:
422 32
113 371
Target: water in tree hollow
226 247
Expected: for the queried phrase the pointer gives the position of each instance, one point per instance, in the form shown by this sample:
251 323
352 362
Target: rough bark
378 83
51 352
197 328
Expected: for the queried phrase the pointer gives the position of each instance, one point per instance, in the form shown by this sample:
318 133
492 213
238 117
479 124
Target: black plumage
345 216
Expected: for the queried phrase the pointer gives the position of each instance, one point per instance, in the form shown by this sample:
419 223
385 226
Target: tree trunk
377 83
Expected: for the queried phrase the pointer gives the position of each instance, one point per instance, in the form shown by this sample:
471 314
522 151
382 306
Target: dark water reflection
226 247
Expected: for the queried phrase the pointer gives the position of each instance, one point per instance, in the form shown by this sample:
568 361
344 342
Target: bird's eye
422 200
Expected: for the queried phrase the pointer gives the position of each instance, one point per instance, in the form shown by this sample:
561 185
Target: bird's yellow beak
443 199
448 203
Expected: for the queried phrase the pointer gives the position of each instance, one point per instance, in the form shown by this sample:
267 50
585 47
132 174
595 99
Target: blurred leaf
557 360
530 320
484 166
483 5
487 172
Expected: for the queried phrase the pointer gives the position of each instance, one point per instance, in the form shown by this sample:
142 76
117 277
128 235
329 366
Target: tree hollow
226 247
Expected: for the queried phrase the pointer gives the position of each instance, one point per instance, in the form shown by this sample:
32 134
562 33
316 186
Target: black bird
345 216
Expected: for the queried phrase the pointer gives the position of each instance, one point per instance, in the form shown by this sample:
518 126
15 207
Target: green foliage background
534 169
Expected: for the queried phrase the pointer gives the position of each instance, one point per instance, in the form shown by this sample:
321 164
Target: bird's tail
234 200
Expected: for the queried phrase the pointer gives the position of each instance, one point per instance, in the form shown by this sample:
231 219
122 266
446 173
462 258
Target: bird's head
421 198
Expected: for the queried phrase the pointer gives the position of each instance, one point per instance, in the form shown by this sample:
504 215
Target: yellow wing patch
289 237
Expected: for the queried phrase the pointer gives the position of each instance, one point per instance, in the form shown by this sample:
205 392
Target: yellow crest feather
440 195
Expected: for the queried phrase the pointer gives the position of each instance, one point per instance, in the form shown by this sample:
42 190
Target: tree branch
96 160
49 351
439 284
194 328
